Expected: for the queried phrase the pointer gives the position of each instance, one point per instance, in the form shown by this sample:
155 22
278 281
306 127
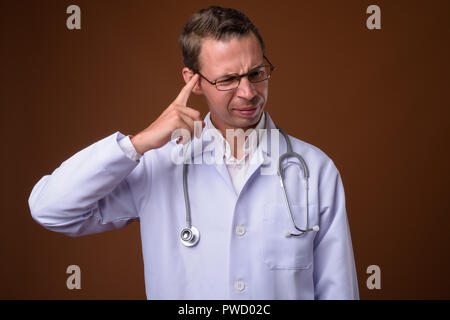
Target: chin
244 122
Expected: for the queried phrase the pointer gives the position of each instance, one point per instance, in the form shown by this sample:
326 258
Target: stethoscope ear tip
316 228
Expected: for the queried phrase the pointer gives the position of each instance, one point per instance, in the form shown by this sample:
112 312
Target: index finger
183 97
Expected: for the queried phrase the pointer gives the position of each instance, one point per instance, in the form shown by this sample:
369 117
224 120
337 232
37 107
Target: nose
246 89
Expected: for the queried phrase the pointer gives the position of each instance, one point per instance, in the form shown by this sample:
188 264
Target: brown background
375 101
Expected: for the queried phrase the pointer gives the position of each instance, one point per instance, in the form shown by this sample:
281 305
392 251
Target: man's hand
176 116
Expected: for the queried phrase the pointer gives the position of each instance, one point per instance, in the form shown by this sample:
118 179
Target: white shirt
238 169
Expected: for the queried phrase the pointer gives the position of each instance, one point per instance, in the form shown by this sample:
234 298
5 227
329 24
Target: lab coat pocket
280 251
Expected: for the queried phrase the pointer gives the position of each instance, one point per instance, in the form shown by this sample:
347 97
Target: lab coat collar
204 145
205 151
224 147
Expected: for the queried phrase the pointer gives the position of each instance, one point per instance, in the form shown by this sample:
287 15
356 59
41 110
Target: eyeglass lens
257 75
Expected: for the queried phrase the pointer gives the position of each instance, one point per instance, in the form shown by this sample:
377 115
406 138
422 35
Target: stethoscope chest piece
189 236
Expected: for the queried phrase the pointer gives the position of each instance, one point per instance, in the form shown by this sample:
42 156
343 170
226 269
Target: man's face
241 107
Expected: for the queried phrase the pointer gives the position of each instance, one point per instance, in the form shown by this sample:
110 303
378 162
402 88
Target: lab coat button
239 285
240 230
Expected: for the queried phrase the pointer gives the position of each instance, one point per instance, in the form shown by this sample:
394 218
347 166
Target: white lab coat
242 253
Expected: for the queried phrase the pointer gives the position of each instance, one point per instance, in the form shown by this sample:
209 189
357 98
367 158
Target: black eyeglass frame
239 77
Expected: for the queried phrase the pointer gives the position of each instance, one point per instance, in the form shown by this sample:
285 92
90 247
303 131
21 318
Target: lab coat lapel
263 156
223 171
210 151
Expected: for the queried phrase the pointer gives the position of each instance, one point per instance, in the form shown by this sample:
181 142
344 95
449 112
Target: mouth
246 111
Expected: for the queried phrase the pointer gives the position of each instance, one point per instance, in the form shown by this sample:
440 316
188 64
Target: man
242 243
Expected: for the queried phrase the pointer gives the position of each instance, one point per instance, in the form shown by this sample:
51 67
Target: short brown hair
217 23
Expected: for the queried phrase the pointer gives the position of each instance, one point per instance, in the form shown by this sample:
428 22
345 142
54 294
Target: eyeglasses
232 81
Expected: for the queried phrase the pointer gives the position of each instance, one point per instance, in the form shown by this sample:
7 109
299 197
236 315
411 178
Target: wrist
137 144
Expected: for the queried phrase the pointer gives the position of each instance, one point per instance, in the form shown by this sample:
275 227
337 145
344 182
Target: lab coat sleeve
96 190
334 266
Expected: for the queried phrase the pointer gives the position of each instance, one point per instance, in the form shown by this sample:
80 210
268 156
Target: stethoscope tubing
190 234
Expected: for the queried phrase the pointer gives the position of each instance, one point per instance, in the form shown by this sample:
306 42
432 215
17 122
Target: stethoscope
190 234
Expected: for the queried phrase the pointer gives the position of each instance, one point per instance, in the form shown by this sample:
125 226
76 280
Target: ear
187 75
